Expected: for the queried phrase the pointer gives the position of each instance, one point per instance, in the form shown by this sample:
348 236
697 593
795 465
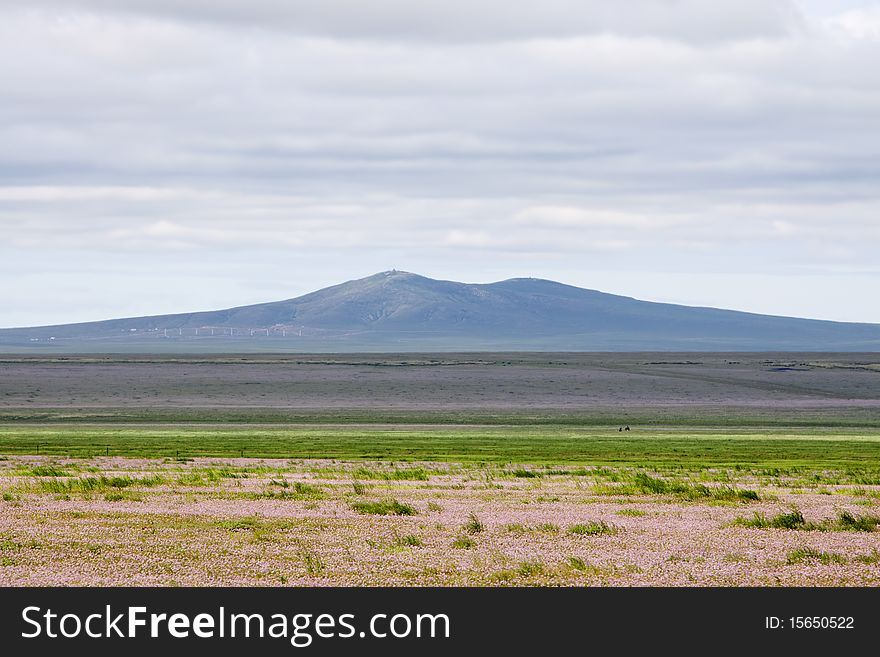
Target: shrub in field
384 508
464 543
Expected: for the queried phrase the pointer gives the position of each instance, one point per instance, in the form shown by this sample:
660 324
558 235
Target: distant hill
399 311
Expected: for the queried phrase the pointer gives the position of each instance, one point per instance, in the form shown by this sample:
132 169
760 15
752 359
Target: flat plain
449 469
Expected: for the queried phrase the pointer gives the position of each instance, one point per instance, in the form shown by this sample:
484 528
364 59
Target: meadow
320 522
488 470
692 447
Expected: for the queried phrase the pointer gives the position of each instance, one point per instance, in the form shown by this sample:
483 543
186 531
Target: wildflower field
659 508
480 469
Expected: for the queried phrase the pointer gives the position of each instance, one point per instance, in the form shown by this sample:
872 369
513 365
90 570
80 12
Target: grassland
306 522
480 469
710 447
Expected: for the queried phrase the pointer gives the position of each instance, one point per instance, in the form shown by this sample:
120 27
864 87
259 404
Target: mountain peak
395 275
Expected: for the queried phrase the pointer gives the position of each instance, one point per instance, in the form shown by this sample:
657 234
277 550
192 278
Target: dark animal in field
626 428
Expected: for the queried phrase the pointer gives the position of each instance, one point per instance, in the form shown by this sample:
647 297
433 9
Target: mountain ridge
396 310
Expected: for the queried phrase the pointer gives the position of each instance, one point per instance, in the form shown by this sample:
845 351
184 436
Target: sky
162 156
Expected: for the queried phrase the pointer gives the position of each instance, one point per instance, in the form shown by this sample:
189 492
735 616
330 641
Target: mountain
399 311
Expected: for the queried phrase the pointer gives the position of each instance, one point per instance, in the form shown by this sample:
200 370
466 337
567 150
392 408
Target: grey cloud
466 20
683 142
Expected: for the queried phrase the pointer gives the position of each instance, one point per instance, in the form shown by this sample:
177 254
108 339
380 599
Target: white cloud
465 20
327 140
862 23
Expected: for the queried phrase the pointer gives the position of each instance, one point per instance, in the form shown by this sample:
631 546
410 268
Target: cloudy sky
173 155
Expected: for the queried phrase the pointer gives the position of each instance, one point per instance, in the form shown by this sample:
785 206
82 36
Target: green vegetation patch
522 473
473 525
95 484
845 522
592 528
296 491
397 474
384 508
644 484
807 554
43 471
768 448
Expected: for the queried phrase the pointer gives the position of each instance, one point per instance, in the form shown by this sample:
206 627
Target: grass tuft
44 471
473 525
522 473
312 561
530 568
849 523
577 563
398 474
845 522
644 484
95 484
384 508
239 524
410 540
592 529
804 554
870 559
